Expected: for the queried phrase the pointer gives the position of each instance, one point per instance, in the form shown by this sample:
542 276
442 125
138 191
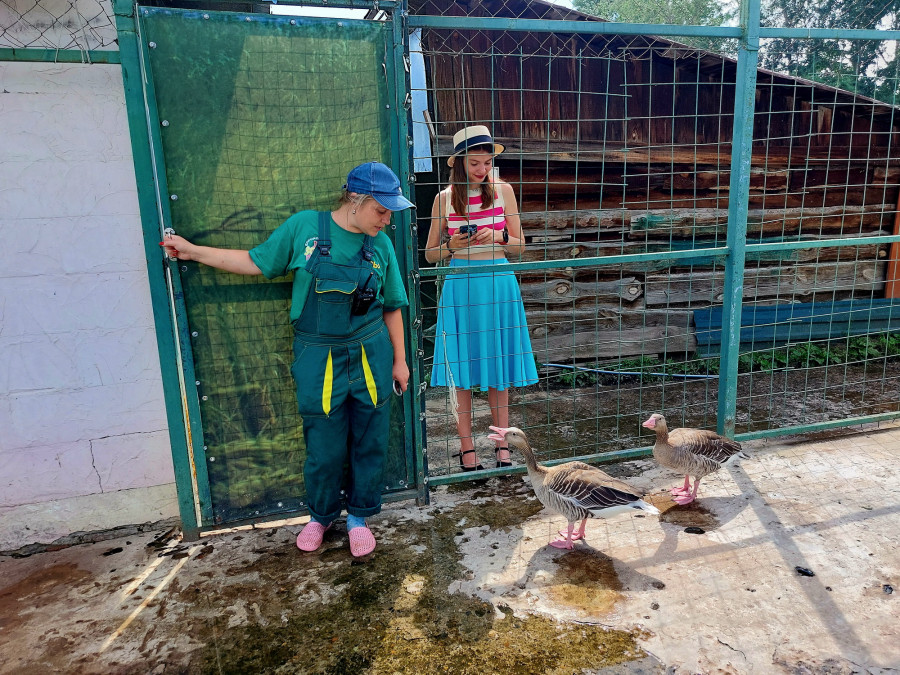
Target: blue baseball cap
376 179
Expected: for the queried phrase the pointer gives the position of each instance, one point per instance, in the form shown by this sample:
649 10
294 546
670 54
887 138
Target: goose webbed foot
567 538
574 534
683 490
684 499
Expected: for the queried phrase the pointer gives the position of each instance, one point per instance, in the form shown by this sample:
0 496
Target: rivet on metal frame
206 16
293 22
204 398
247 18
340 24
174 198
388 105
184 268
212 459
152 45
165 123
195 334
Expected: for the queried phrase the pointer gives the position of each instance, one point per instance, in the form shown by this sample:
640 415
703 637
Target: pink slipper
362 541
310 537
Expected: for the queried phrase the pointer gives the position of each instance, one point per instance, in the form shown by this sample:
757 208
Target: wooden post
892 279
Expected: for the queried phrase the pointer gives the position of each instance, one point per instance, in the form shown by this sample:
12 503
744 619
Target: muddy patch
688 515
587 581
393 613
37 590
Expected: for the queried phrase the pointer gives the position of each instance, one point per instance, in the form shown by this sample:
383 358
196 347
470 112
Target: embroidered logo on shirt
376 265
310 247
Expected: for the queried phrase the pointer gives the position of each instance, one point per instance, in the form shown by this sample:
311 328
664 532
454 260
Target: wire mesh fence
84 25
619 147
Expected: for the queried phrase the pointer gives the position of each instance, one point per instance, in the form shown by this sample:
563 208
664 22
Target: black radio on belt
362 298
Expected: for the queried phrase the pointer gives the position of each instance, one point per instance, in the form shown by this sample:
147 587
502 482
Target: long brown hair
459 183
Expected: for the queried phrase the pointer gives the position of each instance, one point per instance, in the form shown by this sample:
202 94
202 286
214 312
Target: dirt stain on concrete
586 580
36 590
688 515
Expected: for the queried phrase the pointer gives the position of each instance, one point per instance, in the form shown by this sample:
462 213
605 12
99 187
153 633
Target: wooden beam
607 332
569 292
698 289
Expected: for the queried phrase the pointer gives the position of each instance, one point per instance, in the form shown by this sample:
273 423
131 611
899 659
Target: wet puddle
688 515
586 580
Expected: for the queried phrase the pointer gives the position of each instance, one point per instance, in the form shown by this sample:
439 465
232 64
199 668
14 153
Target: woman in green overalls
348 340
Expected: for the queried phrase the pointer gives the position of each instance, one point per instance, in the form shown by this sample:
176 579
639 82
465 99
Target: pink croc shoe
310 537
362 542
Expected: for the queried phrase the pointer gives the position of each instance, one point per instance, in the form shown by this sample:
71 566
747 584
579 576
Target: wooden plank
697 289
590 333
566 291
692 222
614 220
793 153
589 249
714 221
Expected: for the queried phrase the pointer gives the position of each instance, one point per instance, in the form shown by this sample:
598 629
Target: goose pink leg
688 497
566 541
579 534
685 490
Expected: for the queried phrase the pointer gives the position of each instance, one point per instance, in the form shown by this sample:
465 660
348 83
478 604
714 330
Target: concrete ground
469 585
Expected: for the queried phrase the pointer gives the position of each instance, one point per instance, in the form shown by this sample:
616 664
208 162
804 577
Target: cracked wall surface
81 399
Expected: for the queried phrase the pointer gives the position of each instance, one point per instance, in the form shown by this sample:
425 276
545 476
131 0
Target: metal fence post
407 240
738 204
189 501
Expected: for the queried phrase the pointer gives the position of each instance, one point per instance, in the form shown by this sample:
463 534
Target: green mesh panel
260 119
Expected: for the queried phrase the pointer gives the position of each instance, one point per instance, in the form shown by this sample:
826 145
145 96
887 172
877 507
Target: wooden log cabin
622 144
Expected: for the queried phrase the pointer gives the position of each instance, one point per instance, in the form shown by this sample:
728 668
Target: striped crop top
492 217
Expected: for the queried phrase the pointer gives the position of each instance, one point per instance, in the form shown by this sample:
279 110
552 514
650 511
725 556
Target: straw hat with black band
471 137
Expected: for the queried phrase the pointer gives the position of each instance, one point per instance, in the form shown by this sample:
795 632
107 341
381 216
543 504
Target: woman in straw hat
482 336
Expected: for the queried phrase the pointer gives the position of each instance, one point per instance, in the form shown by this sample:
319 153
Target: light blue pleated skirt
482 336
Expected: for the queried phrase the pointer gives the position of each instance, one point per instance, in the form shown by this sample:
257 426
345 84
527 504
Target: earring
354 210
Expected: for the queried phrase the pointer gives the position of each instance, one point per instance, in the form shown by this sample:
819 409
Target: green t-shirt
290 246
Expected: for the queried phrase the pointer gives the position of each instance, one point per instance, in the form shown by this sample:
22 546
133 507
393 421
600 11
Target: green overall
343 371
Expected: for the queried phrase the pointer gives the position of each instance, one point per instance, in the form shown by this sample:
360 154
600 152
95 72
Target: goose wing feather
587 487
707 446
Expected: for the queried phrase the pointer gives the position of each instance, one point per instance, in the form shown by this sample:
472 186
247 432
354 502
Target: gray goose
693 452
575 490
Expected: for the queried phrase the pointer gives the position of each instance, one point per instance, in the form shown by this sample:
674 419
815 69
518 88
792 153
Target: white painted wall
83 432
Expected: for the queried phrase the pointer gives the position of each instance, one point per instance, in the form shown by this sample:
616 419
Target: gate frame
176 360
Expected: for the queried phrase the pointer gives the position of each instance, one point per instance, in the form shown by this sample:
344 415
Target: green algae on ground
393 613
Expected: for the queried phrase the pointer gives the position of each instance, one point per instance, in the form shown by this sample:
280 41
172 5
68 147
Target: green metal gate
252 118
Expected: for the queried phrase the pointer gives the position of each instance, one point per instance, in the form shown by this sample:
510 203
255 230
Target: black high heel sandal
501 463
462 466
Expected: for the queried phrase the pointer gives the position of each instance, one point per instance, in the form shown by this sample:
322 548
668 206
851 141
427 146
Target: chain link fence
85 25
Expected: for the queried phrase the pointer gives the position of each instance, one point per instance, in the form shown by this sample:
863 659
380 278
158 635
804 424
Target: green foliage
678 12
576 378
859 349
867 67
817 354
